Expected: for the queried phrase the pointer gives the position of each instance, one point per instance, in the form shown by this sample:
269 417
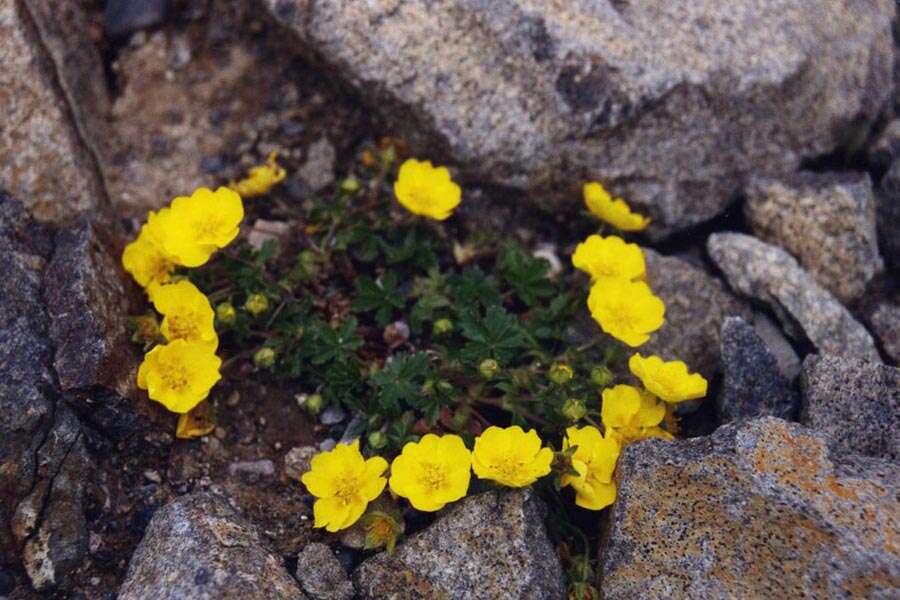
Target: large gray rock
322 575
199 547
752 385
492 546
696 306
885 321
889 216
856 404
760 509
43 464
671 103
806 310
52 99
826 221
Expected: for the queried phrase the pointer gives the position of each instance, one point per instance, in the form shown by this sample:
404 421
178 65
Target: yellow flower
670 380
595 460
146 261
187 314
194 227
614 211
626 310
510 456
261 179
630 414
197 422
427 190
602 257
344 483
432 472
179 374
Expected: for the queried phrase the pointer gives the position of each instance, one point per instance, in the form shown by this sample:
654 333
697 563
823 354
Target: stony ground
769 161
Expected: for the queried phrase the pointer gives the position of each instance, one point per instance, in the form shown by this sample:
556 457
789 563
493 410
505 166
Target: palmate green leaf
415 249
472 288
524 273
336 345
497 335
381 297
400 382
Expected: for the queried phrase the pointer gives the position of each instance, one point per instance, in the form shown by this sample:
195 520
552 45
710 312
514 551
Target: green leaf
382 297
524 273
335 344
400 382
497 335
472 287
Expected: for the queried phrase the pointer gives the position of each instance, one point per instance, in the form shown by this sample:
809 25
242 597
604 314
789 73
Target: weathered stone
671 103
51 73
752 385
757 510
296 461
321 575
885 320
778 345
856 404
826 221
696 306
199 547
42 458
886 146
318 170
492 545
806 310
122 17
889 216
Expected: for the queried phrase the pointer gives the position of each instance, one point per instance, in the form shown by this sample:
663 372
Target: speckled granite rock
696 306
885 320
43 463
671 103
886 145
771 275
752 385
199 547
757 510
777 344
889 216
826 221
321 575
491 546
855 403
51 72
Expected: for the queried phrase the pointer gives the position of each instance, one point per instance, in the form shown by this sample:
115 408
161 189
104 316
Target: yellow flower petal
432 472
605 257
510 456
596 455
613 211
670 381
426 190
187 313
179 374
626 310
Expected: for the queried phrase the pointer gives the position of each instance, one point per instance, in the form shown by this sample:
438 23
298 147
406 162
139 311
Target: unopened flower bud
488 368
601 376
314 404
377 440
350 184
561 373
442 327
574 409
264 358
256 304
226 313
146 329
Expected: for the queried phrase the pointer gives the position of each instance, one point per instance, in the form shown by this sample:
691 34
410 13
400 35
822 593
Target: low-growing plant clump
454 356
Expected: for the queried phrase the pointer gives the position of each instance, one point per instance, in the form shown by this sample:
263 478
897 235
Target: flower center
175 376
433 476
208 228
183 327
347 487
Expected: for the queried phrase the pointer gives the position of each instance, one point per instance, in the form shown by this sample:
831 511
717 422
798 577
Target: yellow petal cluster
630 414
261 179
187 314
193 227
432 472
626 310
613 211
344 483
594 459
669 380
609 257
426 190
146 261
510 456
179 374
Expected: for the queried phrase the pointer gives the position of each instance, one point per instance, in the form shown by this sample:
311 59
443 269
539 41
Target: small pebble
153 476
233 398
262 468
327 444
332 415
296 461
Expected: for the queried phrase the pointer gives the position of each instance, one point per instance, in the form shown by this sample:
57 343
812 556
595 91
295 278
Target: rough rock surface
50 73
856 404
806 310
671 103
826 221
492 545
757 510
885 320
321 575
889 216
43 463
778 345
696 306
752 385
886 146
199 547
